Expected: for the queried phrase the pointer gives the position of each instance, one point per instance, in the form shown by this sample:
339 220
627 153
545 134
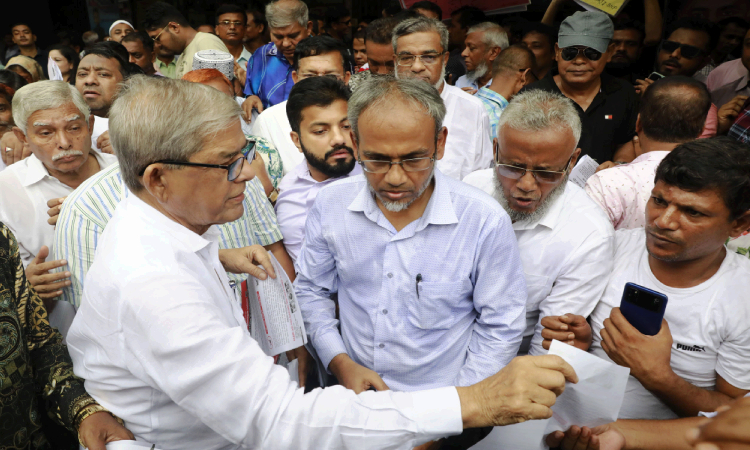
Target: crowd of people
412 177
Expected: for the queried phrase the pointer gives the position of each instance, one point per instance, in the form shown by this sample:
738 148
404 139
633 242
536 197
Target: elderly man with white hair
565 239
421 48
484 42
161 340
53 119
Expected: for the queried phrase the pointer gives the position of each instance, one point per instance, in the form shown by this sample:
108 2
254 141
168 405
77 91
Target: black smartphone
644 308
655 76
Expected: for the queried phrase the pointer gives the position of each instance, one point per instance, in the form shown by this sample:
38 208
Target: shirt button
390 275
381 345
385 311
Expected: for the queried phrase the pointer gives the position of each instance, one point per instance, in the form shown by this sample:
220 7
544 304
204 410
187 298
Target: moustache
67 153
673 61
337 149
667 237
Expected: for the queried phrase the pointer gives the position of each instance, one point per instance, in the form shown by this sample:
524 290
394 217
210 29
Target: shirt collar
36 171
489 94
245 55
172 230
743 83
439 211
549 219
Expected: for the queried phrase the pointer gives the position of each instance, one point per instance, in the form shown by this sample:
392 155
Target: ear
574 159
91 125
156 183
638 125
494 52
295 139
347 76
495 148
19 135
309 27
740 225
610 51
442 137
557 52
295 77
355 144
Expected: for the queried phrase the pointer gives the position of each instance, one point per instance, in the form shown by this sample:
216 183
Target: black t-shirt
608 122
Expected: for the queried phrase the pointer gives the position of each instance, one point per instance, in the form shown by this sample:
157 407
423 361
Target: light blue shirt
494 104
468 319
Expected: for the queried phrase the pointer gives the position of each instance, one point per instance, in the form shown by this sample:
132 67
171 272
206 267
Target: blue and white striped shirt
468 318
88 209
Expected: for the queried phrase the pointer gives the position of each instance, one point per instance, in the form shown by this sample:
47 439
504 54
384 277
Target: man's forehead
421 41
99 62
62 114
21 28
331 61
292 28
336 112
688 36
133 46
703 197
231 16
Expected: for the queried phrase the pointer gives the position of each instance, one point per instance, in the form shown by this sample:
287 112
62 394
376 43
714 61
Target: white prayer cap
215 59
117 22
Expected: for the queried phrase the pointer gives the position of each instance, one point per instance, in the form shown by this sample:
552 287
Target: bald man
512 70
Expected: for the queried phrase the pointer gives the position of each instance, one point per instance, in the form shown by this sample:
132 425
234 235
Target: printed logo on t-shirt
608 116
691 348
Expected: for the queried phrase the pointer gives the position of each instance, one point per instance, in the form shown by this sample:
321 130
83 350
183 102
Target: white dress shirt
273 125
161 342
439 303
567 257
101 125
468 147
297 192
25 189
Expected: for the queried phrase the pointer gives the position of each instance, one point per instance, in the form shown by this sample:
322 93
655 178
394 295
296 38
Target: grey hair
537 110
46 95
419 25
494 35
156 118
380 91
282 13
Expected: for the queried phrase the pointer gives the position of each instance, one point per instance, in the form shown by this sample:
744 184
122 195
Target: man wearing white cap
608 107
119 29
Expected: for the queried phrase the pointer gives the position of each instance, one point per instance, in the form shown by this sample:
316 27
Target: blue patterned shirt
269 76
462 325
494 104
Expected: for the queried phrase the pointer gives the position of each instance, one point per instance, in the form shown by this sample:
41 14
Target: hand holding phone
644 308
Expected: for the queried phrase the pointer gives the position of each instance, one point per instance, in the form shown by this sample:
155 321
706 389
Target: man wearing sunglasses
687 49
607 106
169 28
564 238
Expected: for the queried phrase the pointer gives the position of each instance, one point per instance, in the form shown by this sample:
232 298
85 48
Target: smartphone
644 308
655 76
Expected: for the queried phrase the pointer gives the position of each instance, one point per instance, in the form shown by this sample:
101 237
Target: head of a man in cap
583 47
119 30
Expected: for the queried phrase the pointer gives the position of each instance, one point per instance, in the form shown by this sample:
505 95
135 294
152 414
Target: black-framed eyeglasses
409 165
687 51
571 53
233 170
428 59
541 176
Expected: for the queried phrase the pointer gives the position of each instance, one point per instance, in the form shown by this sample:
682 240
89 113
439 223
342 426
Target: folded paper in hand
596 398
583 170
272 307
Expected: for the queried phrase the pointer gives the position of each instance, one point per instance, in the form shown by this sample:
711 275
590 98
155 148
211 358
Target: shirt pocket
440 304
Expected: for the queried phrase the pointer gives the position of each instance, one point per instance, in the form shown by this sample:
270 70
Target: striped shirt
86 212
494 104
269 76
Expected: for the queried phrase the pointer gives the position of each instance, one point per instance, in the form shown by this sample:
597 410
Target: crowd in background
414 175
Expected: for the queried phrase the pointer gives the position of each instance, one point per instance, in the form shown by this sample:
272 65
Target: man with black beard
628 46
316 109
565 241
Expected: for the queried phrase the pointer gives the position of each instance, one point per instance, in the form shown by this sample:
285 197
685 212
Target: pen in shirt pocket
419 280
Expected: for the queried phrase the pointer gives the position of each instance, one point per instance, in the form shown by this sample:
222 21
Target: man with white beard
484 42
53 119
420 45
565 240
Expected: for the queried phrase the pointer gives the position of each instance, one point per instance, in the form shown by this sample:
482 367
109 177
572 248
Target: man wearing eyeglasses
168 27
608 106
565 240
420 46
231 22
429 282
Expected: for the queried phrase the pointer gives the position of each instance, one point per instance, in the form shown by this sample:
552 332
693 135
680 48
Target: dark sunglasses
687 51
233 170
571 53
